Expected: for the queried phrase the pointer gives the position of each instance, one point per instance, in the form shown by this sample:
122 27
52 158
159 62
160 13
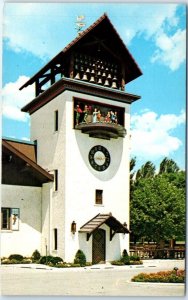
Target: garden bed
174 276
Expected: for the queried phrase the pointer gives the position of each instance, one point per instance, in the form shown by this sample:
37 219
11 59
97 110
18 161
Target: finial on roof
79 23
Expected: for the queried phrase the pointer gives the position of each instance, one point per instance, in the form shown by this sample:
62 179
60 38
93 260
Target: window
98 196
55 180
10 218
55 238
56 120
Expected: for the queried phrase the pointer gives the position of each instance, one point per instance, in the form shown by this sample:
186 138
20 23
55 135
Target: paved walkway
96 280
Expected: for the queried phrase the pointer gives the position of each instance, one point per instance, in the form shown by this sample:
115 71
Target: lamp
73 227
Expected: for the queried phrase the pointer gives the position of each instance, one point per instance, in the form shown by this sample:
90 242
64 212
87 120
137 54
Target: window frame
12 218
98 197
55 180
55 239
56 120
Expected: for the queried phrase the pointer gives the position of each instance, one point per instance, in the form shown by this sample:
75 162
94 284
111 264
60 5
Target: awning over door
100 219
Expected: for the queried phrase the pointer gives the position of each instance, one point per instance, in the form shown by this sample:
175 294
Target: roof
101 219
25 147
18 165
104 31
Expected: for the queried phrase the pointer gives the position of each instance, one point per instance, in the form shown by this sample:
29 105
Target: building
80 133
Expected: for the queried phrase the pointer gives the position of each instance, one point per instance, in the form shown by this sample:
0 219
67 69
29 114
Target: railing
165 253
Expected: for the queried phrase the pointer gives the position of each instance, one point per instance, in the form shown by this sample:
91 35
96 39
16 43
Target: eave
44 175
79 87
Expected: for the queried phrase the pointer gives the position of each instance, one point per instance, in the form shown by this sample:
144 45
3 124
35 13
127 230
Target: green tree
146 171
168 166
157 206
157 210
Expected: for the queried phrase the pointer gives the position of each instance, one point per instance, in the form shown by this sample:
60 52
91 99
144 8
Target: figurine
85 113
78 112
99 116
95 113
113 117
107 118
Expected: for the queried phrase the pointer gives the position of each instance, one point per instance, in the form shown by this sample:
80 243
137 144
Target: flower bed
164 276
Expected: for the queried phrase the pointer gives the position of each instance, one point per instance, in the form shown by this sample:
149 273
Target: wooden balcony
102 130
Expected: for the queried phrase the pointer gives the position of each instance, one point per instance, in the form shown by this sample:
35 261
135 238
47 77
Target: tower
80 120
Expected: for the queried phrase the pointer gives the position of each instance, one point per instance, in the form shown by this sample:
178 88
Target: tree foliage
158 203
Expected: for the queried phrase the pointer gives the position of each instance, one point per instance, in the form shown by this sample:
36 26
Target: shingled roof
101 219
100 31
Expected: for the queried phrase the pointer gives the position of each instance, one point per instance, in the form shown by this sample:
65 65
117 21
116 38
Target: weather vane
79 23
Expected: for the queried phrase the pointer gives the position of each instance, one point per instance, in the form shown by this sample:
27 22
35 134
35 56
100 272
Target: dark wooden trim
79 87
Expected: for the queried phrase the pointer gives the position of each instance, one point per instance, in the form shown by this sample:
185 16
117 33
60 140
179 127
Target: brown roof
25 148
102 26
39 173
107 219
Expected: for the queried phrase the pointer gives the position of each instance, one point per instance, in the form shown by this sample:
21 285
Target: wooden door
99 246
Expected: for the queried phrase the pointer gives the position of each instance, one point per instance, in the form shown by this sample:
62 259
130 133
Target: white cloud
151 135
45 28
14 99
171 49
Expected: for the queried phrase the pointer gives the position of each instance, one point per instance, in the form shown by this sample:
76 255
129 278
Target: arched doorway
99 246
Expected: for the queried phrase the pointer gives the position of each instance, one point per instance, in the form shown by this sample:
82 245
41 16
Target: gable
18 169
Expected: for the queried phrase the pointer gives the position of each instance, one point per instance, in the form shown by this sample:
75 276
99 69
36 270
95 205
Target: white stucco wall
28 238
51 156
82 181
67 150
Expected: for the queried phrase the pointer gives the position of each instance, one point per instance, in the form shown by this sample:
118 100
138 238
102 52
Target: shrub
56 259
134 258
117 263
80 258
17 257
53 260
125 260
136 262
125 254
36 256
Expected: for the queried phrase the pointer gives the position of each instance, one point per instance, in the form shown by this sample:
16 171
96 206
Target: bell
114 85
92 71
85 77
93 65
99 81
102 68
92 79
107 69
88 70
109 76
115 78
103 74
98 66
106 83
81 68
99 73
77 76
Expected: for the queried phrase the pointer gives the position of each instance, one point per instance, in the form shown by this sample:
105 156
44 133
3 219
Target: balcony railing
164 253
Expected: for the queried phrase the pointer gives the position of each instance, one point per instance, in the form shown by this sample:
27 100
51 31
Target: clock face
99 158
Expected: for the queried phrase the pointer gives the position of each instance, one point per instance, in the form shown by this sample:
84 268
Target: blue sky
155 34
